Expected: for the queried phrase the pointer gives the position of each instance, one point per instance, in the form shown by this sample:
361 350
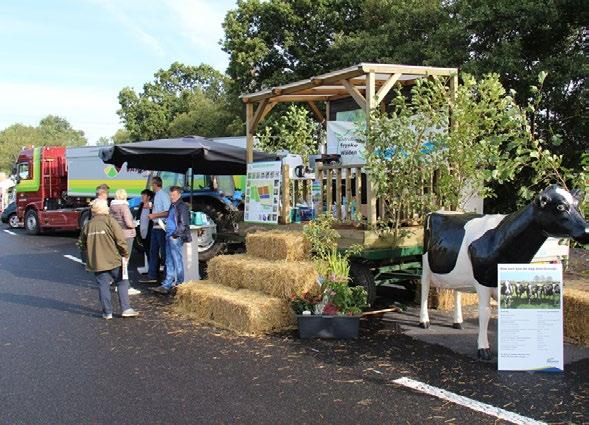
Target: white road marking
468 402
10 233
76 259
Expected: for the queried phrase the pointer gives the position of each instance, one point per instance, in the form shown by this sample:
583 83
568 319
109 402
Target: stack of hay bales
576 315
250 293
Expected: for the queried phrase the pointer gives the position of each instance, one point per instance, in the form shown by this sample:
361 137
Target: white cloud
132 26
92 110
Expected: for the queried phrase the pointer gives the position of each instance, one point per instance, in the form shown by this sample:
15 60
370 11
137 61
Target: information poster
262 192
530 329
342 138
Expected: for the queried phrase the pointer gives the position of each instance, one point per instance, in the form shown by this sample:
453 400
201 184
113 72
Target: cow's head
557 213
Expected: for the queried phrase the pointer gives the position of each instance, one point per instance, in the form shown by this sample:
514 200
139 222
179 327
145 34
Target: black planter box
319 326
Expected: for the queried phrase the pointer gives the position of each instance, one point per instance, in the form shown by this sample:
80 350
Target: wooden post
329 188
319 176
338 193
358 190
370 104
285 201
249 132
348 192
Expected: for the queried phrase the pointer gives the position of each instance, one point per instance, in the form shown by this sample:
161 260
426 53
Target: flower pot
319 326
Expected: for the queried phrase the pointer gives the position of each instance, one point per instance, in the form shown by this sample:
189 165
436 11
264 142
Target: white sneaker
130 313
133 291
106 316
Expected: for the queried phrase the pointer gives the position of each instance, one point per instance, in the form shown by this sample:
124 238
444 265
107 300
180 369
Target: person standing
119 210
177 233
145 224
161 205
105 244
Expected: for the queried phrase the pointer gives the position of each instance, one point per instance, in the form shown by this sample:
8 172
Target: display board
262 192
530 327
342 139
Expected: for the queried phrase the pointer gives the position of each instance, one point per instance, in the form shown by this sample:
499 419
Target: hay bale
278 245
576 315
239 310
443 299
277 278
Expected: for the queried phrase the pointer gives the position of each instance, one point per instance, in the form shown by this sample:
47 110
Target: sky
72 57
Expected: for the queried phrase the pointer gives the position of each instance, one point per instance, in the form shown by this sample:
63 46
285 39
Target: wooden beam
370 104
249 135
299 98
258 115
386 87
360 100
407 69
316 111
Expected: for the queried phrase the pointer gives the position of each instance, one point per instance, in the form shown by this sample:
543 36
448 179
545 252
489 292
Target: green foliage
180 101
346 299
304 302
294 131
322 236
276 41
51 131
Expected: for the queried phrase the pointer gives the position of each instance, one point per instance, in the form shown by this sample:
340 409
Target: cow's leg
425 284
484 352
457 310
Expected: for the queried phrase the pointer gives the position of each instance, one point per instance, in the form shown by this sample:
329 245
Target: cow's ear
542 200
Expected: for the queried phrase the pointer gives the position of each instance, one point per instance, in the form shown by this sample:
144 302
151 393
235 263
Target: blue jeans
157 246
104 278
174 263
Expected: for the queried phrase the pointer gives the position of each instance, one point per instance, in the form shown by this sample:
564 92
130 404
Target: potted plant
333 310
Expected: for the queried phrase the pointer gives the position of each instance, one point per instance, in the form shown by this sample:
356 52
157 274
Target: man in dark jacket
177 232
103 240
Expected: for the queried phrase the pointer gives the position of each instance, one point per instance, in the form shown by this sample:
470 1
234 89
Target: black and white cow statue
462 250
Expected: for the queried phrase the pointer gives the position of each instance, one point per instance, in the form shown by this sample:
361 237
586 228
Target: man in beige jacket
104 242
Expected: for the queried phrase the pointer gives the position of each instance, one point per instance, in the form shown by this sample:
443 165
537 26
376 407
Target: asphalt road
61 363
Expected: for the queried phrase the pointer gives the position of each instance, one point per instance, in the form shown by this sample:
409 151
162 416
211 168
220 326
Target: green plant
322 236
346 299
304 302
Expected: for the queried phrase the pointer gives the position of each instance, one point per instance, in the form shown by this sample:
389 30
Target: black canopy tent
195 153
202 155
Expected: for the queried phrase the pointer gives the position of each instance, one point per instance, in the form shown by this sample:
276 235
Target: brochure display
262 192
530 327
342 139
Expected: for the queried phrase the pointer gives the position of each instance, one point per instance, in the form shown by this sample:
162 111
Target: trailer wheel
208 244
32 225
361 275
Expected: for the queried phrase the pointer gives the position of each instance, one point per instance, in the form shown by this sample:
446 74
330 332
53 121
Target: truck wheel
84 219
361 275
208 245
13 221
32 222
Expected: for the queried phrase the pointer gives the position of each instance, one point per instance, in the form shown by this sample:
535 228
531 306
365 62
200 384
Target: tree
121 136
294 131
280 41
51 131
181 98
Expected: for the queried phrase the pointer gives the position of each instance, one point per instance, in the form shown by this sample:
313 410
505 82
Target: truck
55 185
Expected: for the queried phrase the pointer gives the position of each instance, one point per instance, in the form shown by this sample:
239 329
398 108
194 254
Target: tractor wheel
208 245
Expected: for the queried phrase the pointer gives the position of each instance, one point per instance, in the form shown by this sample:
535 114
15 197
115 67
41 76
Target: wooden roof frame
366 83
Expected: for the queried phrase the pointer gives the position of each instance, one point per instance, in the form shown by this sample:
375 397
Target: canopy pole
191 185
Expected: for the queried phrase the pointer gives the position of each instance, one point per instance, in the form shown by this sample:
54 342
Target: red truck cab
42 202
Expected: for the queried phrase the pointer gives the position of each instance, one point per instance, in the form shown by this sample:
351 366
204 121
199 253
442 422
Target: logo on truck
111 171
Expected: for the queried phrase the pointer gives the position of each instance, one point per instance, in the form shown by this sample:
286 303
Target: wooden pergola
366 83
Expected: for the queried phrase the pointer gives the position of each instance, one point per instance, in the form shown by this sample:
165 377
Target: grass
523 304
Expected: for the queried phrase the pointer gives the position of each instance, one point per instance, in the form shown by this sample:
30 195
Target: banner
262 192
530 327
342 138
